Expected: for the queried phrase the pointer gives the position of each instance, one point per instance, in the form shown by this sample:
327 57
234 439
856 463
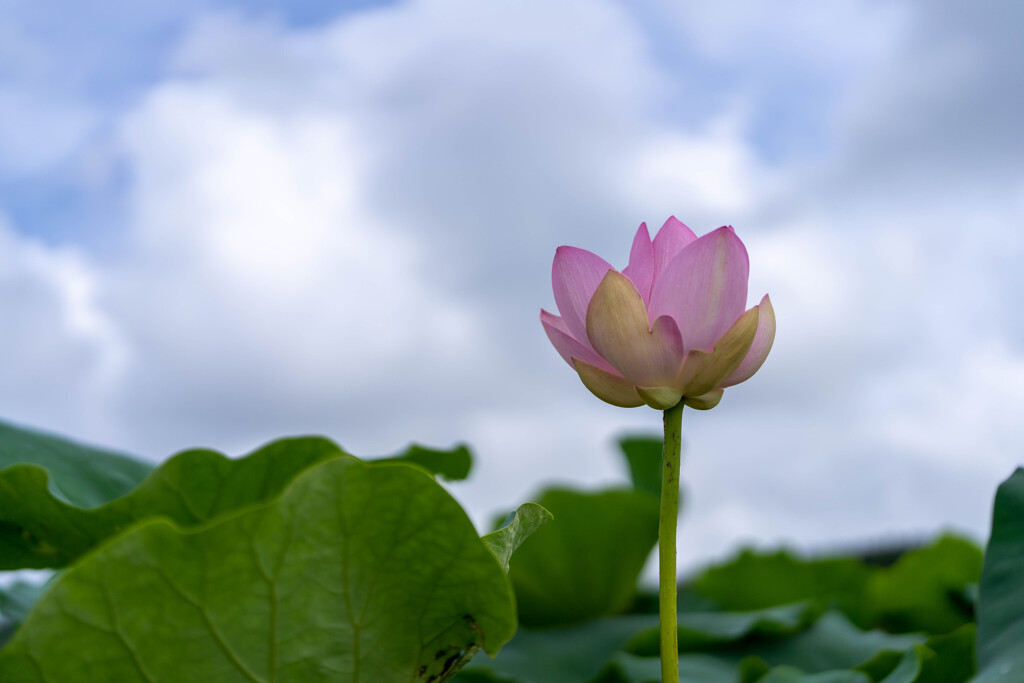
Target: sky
226 222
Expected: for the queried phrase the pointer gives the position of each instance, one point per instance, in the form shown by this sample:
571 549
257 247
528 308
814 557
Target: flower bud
670 327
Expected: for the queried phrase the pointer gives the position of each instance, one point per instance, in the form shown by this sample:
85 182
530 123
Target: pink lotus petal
763 340
554 321
575 275
641 263
704 288
617 329
608 387
567 346
669 241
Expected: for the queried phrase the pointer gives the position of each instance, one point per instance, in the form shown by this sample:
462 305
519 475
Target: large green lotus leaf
81 475
39 529
59 498
1001 590
586 564
357 572
924 590
643 455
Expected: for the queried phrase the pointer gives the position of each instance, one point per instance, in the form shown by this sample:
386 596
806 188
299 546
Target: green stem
667 544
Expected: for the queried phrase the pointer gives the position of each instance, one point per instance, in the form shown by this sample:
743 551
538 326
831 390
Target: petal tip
674 223
724 231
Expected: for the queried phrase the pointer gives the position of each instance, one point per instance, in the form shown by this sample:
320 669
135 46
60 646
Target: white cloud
713 173
255 265
63 355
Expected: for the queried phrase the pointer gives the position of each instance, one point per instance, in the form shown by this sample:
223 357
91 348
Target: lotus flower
670 327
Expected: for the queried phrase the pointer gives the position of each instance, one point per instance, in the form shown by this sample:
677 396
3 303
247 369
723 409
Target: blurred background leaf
84 476
453 464
922 591
643 456
587 563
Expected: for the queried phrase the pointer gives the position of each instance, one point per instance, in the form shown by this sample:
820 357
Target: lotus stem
667 544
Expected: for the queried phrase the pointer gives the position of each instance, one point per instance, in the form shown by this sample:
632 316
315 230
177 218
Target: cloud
63 354
344 208
346 228
255 267
942 112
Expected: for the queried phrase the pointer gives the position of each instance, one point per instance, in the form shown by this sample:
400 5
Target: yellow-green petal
703 371
606 386
706 401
